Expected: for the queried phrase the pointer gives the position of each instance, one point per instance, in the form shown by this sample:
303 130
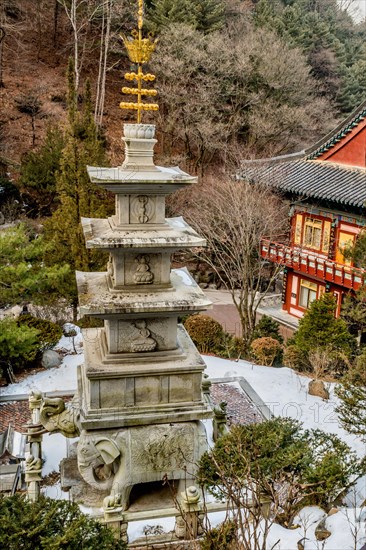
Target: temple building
326 186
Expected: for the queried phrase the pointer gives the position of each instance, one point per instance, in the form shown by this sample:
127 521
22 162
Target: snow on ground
284 392
54 449
137 529
347 531
61 378
282 389
56 379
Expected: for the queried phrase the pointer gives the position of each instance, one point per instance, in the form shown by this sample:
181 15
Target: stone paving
224 311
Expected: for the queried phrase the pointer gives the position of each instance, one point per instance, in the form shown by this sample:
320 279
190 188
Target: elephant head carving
98 461
55 416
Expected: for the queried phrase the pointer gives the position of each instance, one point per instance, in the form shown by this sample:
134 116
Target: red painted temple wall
351 150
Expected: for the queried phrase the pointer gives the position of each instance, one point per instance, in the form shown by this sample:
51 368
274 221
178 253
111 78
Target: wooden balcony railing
310 264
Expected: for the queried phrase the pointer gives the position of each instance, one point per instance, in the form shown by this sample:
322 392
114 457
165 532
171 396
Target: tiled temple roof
308 178
303 175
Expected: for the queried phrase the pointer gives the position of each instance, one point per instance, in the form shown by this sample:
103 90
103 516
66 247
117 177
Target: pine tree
333 43
24 277
18 344
354 312
38 175
319 328
203 15
77 195
265 12
352 393
320 331
267 327
211 14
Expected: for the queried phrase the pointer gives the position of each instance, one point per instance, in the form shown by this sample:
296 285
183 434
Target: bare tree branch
233 216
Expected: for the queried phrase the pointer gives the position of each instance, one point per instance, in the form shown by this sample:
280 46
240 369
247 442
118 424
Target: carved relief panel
141 335
139 269
140 210
143 274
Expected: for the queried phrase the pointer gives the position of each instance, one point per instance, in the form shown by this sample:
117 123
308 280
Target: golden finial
139 51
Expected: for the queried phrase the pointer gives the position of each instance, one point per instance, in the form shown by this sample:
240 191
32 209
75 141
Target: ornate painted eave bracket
139 51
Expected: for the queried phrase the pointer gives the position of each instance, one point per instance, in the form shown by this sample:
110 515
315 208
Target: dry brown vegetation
221 95
34 54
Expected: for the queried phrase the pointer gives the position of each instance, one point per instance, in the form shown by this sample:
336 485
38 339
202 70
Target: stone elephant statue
56 416
116 460
99 460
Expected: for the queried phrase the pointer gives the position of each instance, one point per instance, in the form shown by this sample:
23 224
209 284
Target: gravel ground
240 409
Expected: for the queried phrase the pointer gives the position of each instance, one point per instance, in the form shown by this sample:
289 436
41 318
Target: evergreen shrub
267 326
49 333
19 345
310 466
352 394
51 525
320 329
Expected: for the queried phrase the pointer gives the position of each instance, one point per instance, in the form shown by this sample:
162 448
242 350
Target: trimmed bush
206 333
266 350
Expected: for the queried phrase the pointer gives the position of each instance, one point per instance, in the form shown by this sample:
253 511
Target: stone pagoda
140 405
140 391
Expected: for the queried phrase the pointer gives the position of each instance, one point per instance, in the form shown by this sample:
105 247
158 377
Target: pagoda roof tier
100 233
96 298
154 180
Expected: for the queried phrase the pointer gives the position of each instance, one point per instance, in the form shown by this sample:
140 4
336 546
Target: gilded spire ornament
139 51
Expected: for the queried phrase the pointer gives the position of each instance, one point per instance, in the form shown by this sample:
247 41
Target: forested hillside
235 78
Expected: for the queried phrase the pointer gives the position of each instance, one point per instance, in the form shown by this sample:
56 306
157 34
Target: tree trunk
2 40
56 13
103 57
76 46
33 121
